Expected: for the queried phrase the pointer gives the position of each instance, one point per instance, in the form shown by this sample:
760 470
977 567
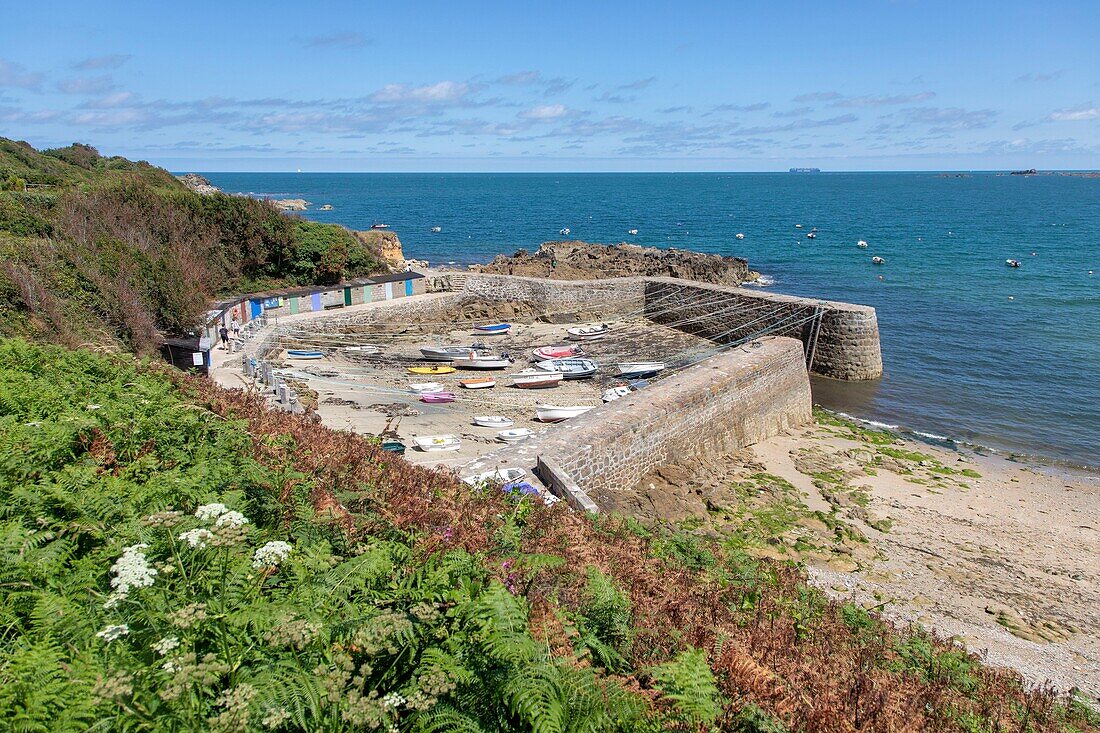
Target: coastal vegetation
112 252
175 556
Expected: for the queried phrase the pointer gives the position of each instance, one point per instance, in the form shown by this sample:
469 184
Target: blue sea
974 351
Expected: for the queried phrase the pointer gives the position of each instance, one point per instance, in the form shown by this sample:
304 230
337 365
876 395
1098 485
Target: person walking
235 327
224 333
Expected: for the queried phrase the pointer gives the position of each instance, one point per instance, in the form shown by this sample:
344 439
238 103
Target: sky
559 86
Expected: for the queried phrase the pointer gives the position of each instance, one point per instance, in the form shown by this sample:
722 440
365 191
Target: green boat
394 446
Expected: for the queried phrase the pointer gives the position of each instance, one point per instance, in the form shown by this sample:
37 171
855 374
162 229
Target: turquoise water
974 351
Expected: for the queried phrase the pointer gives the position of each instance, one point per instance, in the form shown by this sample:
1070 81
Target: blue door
257 308
408 287
315 300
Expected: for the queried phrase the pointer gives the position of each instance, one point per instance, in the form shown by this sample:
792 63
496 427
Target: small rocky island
576 260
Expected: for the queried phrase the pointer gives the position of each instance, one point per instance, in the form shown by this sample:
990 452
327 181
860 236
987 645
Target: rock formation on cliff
385 243
198 184
584 261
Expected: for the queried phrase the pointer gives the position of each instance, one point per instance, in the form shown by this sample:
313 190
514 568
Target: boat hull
437 398
432 370
304 354
493 421
438 443
554 413
478 383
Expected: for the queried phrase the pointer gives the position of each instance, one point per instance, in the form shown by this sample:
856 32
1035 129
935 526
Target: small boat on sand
432 370
515 435
479 383
437 443
536 379
613 393
1012 263
493 421
494 329
304 354
570 368
426 387
437 398
446 353
393 446
640 368
501 475
475 360
878 260
557 413
580 333
556 352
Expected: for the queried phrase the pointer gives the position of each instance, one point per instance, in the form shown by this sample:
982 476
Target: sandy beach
1003 556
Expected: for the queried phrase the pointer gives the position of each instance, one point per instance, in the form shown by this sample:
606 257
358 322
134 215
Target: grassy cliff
174 556
112 252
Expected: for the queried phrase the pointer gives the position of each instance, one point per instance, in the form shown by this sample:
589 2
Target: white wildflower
197 537
171 666
166 645
211 511
272 553
111 633
131 570
393 700
231 519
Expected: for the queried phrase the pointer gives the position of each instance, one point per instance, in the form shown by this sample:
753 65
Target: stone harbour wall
847 339
610 297
731 400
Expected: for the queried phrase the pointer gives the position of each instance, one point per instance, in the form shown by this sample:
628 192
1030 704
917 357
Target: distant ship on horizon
805 170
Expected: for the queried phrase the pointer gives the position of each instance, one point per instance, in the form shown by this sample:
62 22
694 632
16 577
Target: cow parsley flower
211 511
166 645
393 700
270 554
231 519
171 666
197 538
111 633
131 570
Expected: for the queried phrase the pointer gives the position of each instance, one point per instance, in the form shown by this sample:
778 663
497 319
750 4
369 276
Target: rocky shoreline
575 260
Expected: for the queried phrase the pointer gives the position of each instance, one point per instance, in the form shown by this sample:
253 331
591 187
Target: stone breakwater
841 339
724 403
585 261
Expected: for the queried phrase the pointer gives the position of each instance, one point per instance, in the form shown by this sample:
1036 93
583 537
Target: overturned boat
557 413
635 369
536 379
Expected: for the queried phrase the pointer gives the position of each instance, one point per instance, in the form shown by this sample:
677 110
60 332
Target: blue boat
304 354
495 328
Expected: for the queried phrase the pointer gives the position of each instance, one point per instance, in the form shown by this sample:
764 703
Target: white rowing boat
501 475
426 387
493 421
447 353
557 413
570 368
582 333
479 383
640 368
363 349
476 360
514 436
536 379
437 443
615 393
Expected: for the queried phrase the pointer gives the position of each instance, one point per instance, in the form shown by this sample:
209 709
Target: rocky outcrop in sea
586 261
198 184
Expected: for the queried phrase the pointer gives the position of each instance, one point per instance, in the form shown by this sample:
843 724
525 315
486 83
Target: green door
347 296
293 304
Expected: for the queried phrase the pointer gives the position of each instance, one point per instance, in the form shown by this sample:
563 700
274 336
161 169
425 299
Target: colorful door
389 291
408 287
315 301
347 296
257 307
293 304
367 293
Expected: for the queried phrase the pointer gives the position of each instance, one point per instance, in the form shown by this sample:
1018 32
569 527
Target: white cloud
86 85
443 92
545 112
1077 114
16 75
